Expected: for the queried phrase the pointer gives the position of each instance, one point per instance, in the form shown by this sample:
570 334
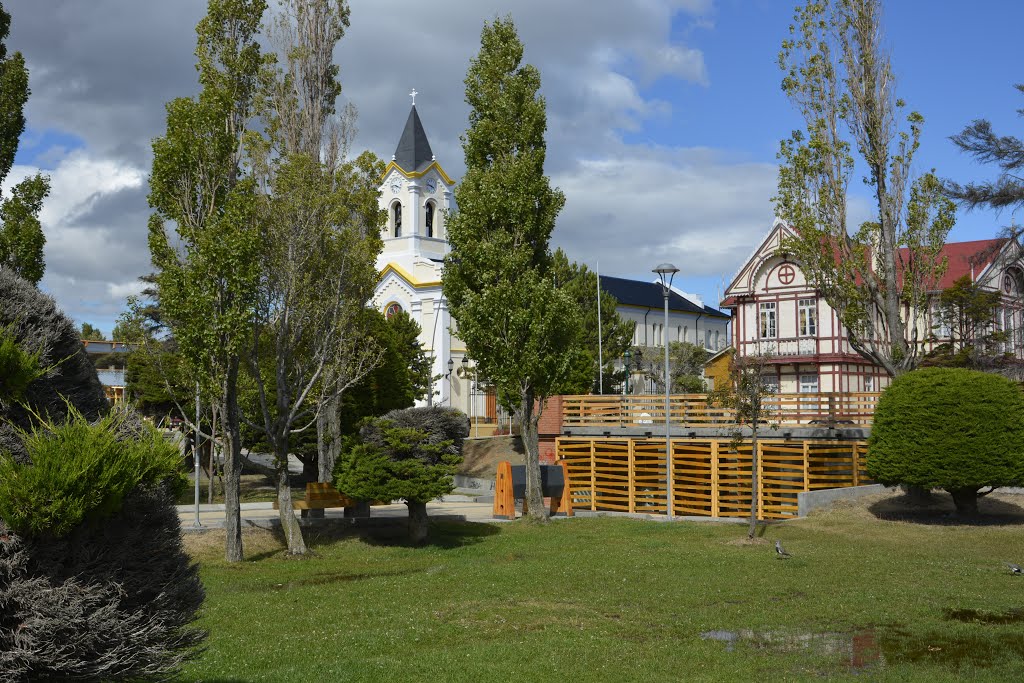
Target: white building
416 192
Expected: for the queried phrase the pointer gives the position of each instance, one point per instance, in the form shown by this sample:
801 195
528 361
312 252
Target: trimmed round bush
950 428
43 332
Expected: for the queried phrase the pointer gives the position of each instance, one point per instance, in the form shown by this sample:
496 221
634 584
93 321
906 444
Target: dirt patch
481 456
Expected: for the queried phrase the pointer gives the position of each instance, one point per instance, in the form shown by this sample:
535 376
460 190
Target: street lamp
626 357
666 271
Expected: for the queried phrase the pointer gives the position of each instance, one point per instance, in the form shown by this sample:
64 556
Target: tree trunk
286 511
232 466
753 483
918 495
966 501
418 521
531 443
328 439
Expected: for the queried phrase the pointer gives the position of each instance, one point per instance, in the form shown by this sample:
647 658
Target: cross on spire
413 94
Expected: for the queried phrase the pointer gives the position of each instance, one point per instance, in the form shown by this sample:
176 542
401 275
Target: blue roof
649 295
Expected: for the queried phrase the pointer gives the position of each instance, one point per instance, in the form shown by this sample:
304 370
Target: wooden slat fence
711 477
698 410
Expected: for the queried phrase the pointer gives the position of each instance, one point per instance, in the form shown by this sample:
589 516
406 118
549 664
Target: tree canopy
21 233
877 276
524 333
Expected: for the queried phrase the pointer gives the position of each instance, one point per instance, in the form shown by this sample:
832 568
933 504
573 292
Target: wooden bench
320 496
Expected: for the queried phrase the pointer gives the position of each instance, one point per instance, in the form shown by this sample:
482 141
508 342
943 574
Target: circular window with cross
787 274
392 310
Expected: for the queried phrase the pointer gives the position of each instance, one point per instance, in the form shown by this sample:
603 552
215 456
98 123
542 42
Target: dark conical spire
413 153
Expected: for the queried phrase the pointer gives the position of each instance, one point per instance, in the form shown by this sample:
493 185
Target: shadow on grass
443 534
941 511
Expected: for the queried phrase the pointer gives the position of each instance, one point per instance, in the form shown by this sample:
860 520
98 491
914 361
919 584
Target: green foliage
968 312
410 454
521 329
21 234
615 333
988 147
686 362
91 333
877 276
401 377
80 472
18 368
948 428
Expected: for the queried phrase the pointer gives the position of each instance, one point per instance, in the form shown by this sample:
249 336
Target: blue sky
664 116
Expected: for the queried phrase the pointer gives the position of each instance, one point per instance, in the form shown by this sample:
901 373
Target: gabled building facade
777 312
417 193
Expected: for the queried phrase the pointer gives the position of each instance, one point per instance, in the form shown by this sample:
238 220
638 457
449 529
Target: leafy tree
401 377
91 333
616 334
967 311
203 236
21 234
320 236
410 454
686 362
1006 152
926 434
878 277
523 331
745 395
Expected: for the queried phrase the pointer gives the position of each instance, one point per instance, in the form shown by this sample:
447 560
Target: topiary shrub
42 332
410 454
94 581
950 428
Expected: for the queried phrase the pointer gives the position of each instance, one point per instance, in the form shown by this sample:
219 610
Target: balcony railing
827 410
796 346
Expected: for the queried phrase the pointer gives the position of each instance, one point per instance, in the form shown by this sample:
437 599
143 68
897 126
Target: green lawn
622 600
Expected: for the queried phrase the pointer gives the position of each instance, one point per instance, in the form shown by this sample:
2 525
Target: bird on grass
781 551
1014 568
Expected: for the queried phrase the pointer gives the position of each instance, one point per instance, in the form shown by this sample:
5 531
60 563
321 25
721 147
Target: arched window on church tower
397 212
430 218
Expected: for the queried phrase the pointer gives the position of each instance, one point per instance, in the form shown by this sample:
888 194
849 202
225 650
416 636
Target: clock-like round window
1008 283
392 310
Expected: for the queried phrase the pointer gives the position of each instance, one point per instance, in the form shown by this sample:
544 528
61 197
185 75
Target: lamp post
666 271
626 356
451 366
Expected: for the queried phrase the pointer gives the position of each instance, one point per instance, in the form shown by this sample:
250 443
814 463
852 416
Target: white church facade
417 193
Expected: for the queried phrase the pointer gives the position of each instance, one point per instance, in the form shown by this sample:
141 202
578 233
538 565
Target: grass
255 488
622 600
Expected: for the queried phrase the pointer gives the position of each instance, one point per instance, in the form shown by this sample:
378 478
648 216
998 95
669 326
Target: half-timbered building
778 313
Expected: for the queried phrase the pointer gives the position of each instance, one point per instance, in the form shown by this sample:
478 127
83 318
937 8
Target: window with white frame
1008 328
807 311
808 384
679 333
716 347
771 384
686 332
707 339
869 383
767 320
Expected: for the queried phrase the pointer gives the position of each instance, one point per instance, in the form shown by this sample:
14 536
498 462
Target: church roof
413 153
649 295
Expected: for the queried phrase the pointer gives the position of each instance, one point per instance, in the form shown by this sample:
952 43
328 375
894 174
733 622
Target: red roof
962 256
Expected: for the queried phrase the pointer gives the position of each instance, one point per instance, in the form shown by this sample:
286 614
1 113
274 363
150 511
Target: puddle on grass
980 616
860 649
895 643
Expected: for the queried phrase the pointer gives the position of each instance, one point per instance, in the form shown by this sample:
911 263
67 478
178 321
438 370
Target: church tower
417 195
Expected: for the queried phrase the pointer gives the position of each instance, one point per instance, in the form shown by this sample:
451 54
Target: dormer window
430 219
397 210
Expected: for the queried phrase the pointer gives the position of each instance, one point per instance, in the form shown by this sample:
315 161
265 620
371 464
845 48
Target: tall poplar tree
879 276
203 235
523 331
320 223
21 233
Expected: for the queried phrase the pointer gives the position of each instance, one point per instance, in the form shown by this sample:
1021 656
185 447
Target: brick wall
549 428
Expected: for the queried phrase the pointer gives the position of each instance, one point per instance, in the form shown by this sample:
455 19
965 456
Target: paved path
260 514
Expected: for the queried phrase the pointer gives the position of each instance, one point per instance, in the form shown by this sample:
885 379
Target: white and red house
776 311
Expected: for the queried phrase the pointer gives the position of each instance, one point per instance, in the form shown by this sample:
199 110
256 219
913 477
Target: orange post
504 502
560 505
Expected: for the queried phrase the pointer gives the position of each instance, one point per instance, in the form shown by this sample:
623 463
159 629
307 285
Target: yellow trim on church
433 164
402 273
